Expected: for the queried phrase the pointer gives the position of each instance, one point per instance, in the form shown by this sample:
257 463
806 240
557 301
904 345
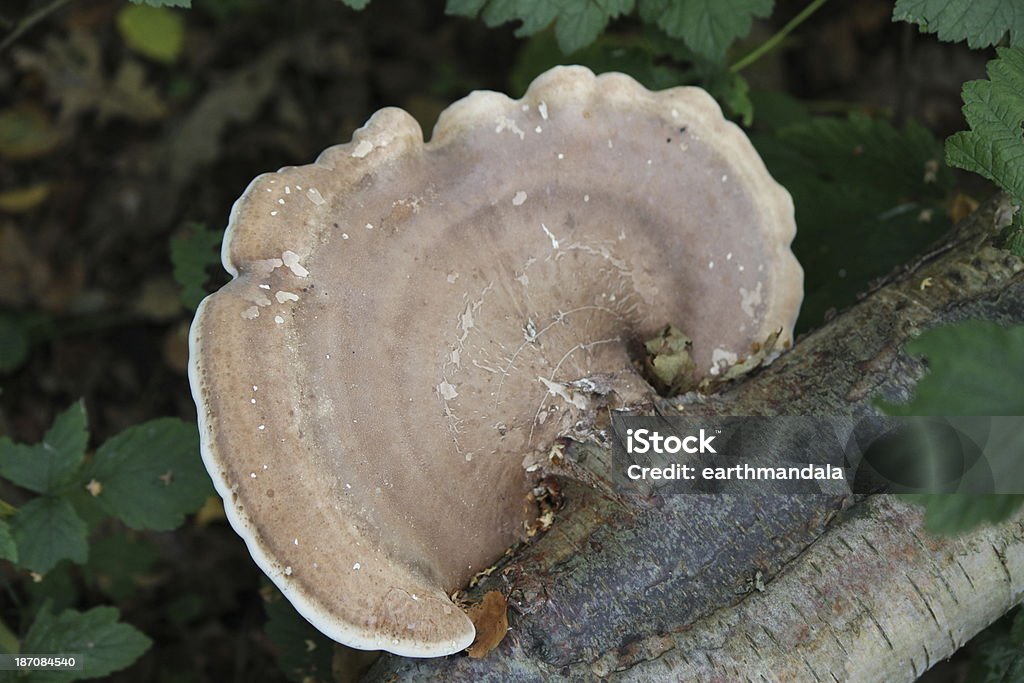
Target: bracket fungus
410 326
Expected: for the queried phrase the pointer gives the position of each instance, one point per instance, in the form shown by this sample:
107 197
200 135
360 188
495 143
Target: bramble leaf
632 55
955 513
97 636
974 369
997 653
150 475
47 530
981 23
303 653
868 197
191 255
708 27
50 464
994 147
577 22
118 563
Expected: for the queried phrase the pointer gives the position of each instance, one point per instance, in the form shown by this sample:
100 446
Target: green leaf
955 513
8 548
974 368
117 563
191 254
165 3
151 475
104 643
868 197
708 27
59 587
631 55
154 32
997 653
46 530
577 22
994 147
729 88
51 464
356 4
303 653
981 23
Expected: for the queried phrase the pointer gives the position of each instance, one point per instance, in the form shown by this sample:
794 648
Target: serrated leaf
708 27
191 255
103 642
730 89
631 55
955 513
356 4
50 464
303 653
117 563
994 147
577 22
981 23
974 368
8 548
151 475
154 32
996 654
46 530
868 197
164 3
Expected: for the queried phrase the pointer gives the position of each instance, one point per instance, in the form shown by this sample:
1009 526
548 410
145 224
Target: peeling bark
669 589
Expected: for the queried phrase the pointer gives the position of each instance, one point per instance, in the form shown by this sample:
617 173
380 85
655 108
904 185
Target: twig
770 44
31 20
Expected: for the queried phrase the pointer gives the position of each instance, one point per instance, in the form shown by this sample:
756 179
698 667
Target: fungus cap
410 325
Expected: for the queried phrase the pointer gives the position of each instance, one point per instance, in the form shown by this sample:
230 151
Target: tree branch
663 589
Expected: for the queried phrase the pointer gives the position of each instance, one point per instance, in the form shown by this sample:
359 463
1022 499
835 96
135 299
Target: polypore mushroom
411 325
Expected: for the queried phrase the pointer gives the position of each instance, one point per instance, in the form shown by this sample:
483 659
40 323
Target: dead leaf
26 133
961 207
234 99
490 617
73 71
22 199
212 511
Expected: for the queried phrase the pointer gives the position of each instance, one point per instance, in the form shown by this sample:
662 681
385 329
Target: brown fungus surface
411 325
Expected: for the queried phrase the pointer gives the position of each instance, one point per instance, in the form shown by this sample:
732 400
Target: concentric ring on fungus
406 322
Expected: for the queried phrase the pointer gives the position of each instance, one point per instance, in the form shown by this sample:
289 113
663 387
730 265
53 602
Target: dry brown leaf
75 77
961 207
490 617
23 199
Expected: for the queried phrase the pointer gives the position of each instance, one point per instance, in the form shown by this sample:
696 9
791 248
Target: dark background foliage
117 155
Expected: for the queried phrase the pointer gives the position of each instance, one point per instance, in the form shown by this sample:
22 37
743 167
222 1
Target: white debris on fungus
447 390
362 149
291 259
